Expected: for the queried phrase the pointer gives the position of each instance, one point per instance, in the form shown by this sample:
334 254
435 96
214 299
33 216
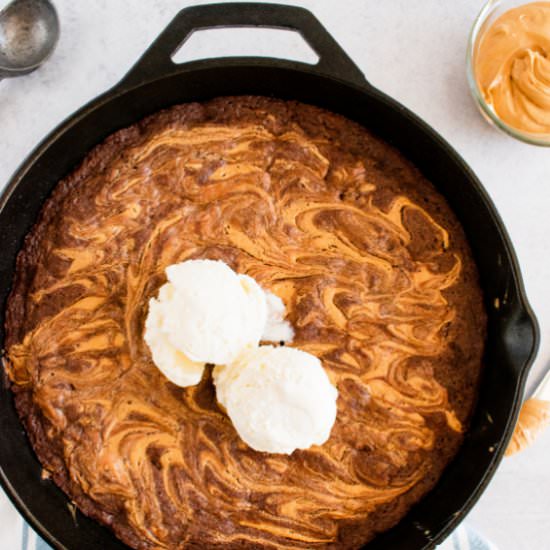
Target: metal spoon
29 30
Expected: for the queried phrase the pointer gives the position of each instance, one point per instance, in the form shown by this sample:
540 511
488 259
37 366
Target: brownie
378 281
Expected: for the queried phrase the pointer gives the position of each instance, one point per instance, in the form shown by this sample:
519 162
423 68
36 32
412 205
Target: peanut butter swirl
374 273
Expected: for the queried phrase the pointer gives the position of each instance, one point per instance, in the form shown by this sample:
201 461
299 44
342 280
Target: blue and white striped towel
16 534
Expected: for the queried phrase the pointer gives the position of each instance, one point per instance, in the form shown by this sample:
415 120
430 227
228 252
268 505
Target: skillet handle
157 62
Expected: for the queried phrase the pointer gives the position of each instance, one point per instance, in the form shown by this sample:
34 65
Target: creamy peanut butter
512 66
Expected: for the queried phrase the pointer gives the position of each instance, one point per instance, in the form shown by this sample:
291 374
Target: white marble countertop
414 51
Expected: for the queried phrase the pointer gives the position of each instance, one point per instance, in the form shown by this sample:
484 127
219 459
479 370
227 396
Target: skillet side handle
157 62
522 335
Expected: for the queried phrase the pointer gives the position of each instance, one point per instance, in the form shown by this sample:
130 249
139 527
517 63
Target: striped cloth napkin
15 534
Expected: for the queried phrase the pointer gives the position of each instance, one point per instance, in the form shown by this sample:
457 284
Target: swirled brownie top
378 283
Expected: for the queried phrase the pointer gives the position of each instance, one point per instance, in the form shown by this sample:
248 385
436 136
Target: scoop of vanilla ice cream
213 313
205 313
278 398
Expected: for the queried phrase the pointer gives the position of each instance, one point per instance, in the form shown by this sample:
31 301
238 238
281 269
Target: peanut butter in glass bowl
509 68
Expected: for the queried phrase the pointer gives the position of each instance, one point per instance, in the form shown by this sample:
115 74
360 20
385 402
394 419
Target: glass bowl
491 11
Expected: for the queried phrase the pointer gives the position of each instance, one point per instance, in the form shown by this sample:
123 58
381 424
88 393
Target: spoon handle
543 389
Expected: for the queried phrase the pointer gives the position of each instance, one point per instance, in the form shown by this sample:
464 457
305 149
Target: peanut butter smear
512 66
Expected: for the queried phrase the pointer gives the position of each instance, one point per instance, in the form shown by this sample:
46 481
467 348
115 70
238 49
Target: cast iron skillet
337 84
